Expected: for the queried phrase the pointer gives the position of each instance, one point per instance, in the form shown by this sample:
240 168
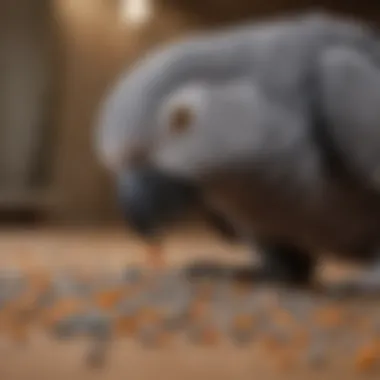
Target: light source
135 11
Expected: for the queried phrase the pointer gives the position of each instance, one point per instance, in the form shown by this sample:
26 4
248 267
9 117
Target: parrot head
162 144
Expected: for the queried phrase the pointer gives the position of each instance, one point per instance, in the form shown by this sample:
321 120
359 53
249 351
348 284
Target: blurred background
57 58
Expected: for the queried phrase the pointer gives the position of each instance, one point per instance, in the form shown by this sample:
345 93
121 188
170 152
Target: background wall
27 55
98 44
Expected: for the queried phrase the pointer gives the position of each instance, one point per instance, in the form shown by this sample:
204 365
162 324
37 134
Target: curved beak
151 200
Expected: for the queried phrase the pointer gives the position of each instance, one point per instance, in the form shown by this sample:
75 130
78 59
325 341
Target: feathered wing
350 99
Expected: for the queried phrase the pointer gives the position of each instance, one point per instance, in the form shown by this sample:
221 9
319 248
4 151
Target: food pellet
154 306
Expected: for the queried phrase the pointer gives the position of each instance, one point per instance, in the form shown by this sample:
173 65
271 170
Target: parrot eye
180 119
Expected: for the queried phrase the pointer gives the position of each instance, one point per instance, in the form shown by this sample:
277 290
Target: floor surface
91 250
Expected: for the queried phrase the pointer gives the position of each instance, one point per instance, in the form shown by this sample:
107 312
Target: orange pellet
283 318
125 326
198 310
329 317
62 309
149 316
108 299
164 338
270 343
243 322
210 336
366 358
39 281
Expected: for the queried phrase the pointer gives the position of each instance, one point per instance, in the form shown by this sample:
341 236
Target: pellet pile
156 307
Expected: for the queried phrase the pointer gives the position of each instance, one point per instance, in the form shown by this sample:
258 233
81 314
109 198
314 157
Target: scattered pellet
367 358
108 299
125 325
151 306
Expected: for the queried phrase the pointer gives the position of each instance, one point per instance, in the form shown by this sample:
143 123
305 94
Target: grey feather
260 97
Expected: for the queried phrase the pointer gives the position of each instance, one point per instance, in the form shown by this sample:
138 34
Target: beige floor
45 359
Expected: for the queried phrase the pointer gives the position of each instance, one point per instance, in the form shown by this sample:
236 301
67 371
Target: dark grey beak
151 200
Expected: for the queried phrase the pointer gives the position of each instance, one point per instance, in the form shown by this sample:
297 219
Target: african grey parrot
272 125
